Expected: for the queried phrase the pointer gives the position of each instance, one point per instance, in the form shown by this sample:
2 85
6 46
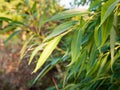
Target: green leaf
97 36
45 70
102 65
60 29
41 21
5 19
12 35
47 52
92 63
7 29
41 73
94 5
112 45
75 45
38 48
68 14
81 62
107 9
106 27
33 9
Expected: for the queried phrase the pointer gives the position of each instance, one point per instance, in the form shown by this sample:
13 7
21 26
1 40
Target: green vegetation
85 43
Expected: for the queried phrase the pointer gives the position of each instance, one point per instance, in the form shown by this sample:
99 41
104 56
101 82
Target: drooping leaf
68 14
12 35
5 19
106 27
7 29
75 45
93 54
103 63
107 9
97 36
112 45
47 52
92 59
81 62
41 22
45 70
38 48
24 47
60 29
41 73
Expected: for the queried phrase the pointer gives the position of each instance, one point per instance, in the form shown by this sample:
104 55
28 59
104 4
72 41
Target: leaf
16 23
45 70
92 63
102 65
75 46
22 51
107 9
41 21
97 36
106 27
60 29
12 35
68 14
81 62
93 54
38 48
7 29
94 5
41 73
112 45
33 9
5 19
47 52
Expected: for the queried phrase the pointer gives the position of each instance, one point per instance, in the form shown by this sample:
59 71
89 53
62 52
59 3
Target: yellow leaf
47 52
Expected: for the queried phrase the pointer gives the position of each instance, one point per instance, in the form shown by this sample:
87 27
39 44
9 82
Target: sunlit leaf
22 51
47 52
61 28
68 14
38 48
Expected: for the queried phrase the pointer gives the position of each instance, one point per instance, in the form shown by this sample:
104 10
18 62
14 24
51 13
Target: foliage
88 40
94 46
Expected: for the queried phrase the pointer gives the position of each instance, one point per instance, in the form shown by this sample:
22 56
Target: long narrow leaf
106 27
47 52
60 29
68 14
22 51
107 9
112 45
12 35
75 45
103 63
97 36
5 19
38 48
